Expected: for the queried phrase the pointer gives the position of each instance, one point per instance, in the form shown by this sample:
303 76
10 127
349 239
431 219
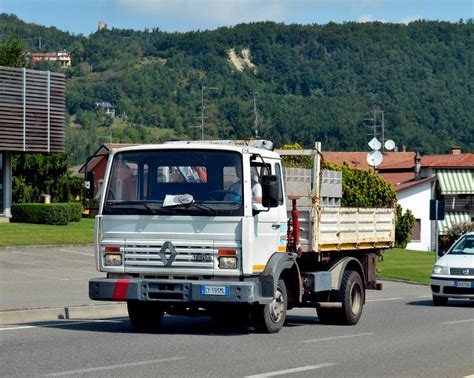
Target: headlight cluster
227 258
440 269
112 257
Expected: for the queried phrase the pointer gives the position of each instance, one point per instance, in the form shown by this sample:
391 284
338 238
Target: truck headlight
440 269
228 262
112 259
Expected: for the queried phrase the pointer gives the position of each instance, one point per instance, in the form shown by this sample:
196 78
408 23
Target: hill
314 82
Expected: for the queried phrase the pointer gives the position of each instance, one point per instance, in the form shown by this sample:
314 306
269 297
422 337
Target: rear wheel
270 318
145 316
440 301
351 295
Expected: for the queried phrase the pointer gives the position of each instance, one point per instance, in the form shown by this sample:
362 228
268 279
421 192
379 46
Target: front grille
458 290
189 255
461 271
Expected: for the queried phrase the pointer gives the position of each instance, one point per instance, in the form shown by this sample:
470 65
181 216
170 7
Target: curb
62 313
38 246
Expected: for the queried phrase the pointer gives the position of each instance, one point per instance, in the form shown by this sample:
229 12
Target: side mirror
441 253
270 192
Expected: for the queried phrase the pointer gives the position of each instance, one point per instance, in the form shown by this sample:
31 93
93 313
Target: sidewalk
44 283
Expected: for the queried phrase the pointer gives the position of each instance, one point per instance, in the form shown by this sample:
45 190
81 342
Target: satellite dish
389 145
374 158
375 144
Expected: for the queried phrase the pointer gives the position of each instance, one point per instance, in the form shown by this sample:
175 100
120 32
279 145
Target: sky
82 16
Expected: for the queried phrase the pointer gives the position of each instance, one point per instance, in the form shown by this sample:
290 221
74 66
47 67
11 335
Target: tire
270 318
440 301
352 296
145 316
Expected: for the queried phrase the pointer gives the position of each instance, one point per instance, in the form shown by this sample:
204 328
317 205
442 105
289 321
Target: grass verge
404 264
40 234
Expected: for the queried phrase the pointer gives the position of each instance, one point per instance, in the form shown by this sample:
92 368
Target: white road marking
383 299
102 368
77 253
336 337
425 296
290 371
459 321
469 376
117 320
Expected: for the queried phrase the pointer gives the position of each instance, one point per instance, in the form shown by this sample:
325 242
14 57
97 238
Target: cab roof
240 146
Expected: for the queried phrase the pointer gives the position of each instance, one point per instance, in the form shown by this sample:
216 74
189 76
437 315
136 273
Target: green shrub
54 213
403 227
75 211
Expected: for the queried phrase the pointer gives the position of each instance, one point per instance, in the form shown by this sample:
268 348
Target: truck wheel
145 316
351 295
270 318
440 301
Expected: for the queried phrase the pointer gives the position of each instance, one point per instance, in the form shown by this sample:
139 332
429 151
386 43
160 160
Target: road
400 334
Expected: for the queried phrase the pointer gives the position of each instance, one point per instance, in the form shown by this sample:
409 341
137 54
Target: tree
12 53
36 174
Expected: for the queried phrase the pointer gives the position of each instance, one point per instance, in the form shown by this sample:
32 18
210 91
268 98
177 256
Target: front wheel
145 316
270 318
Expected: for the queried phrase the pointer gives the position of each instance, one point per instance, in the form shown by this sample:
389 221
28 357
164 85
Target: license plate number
462 284
214 290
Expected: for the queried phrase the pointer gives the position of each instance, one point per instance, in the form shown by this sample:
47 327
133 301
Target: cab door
269 227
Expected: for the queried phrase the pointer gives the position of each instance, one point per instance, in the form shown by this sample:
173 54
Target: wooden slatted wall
31 110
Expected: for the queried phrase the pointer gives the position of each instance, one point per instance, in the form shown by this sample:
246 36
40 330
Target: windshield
141 180
465 246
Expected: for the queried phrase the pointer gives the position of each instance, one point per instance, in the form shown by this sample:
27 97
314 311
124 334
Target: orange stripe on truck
258 267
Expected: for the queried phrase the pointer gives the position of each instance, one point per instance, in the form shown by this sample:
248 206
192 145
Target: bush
454 233
54 213
75 211
403 227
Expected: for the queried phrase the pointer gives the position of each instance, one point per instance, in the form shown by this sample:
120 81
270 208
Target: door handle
276 226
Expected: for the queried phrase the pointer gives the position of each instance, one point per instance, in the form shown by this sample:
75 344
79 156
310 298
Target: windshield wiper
145 205
197 205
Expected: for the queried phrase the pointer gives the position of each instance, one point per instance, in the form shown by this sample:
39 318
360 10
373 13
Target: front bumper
175 291
462 288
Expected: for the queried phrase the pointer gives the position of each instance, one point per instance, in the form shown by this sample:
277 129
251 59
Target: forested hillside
313 83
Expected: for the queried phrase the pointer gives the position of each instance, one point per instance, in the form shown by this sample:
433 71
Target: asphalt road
400 334
45 276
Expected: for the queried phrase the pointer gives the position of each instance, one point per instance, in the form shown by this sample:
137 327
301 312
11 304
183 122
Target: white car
453 274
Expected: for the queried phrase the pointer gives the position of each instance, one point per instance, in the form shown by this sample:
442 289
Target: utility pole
203 109
255 113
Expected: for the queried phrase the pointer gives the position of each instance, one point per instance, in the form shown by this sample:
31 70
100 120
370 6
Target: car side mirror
270 191
441 253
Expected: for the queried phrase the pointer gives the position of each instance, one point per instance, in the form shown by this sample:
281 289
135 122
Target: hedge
52 213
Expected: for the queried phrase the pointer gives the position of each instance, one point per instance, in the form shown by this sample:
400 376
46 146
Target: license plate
214 290
462 284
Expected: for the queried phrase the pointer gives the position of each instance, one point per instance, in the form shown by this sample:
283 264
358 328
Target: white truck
173 238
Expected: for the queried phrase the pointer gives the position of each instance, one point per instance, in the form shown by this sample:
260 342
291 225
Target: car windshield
155 182
464 246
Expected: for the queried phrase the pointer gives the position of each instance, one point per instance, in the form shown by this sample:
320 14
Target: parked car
453 273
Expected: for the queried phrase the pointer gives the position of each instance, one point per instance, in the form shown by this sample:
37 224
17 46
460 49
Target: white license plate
462 284
214 290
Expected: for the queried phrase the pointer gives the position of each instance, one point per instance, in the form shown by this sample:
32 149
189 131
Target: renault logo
465 272
167 246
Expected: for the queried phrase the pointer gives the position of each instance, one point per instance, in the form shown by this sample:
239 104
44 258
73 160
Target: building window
416 232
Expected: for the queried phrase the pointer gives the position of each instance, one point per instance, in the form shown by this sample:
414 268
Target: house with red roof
448 177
